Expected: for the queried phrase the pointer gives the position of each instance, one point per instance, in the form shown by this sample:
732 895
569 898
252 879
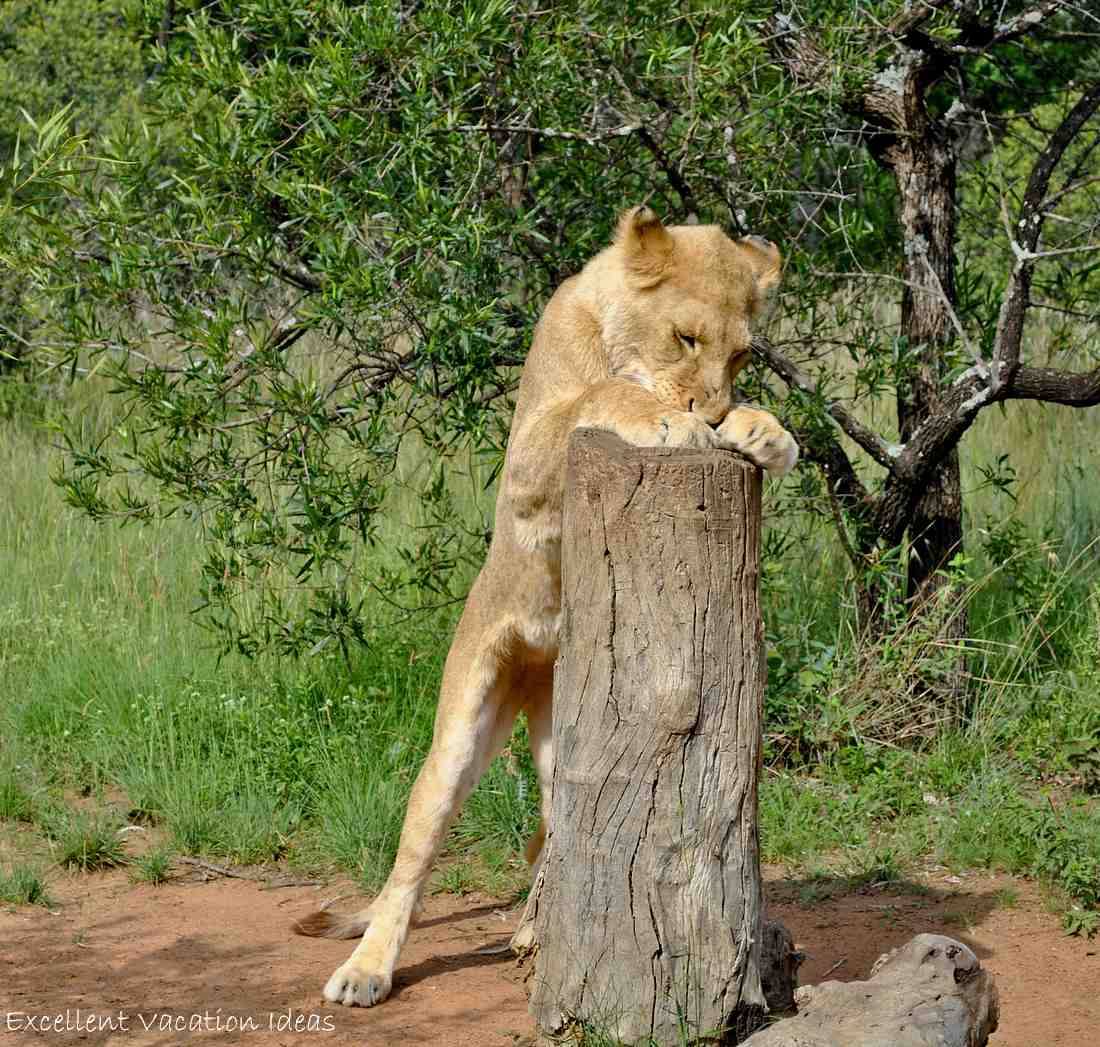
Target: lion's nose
710 413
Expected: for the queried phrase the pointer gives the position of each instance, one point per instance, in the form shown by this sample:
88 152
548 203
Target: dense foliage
329 230
303 247
71 56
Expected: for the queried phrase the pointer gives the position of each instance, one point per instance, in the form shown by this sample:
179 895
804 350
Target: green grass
152 868
454 879
968 808
84 840
16 803
113 692
113 687
23 885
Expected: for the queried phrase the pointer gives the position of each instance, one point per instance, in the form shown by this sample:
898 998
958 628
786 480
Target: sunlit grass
23 885
112 687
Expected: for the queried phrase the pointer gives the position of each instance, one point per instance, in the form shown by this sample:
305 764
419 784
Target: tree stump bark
648 913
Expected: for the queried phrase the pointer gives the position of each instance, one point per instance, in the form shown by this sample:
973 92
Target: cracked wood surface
648 912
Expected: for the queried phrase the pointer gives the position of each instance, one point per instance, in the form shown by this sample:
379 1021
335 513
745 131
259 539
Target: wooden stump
648 914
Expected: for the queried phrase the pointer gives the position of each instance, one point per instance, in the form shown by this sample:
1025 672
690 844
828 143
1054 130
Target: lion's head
680 320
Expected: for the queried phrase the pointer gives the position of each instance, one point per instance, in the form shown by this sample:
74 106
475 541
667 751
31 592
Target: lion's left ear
766 265
645 243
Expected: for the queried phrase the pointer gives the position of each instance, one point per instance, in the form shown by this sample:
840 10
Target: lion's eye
687 339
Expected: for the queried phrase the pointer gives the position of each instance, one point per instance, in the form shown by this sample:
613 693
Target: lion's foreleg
635 415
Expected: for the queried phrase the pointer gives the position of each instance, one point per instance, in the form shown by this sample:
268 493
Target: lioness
645 342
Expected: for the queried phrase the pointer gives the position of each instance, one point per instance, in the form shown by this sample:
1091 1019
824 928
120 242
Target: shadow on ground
821 912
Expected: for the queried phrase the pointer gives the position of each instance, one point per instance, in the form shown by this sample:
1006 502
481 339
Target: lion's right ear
766 265
646 245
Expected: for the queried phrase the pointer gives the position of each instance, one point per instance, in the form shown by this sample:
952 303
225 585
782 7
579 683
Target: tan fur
645 342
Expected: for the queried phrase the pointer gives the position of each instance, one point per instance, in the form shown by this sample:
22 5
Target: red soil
221 953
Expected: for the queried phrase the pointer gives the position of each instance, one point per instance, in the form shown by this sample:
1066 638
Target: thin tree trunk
924 168
925 173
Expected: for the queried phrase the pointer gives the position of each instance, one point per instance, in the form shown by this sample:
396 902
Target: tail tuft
324 924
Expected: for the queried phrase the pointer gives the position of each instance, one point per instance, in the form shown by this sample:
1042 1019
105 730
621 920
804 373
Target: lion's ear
646 244
765 262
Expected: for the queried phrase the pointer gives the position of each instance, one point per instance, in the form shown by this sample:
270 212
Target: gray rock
930 992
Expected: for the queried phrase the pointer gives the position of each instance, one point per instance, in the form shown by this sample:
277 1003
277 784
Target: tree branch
1029 227
299 277
546 132
1055 387
870 441
671 171
824 449
925 450
1025 22
167 23
841 479
961 403
977 37
915 15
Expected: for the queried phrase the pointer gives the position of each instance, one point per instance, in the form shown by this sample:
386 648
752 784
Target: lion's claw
354 987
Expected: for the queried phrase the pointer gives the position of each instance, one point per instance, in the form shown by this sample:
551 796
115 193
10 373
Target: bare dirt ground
220 953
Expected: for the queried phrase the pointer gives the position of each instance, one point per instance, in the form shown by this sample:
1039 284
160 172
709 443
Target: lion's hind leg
475 716
540 731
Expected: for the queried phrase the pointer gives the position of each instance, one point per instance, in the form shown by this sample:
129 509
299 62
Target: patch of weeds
22 885
248 828
881 868
490 867
501 871
916 889
886 779
1081 923
996 826
255 826
360 817
152 868
1006 898
16 803
503 809
819 886
953 918
1083 755
194 829
801 818
85 841
454 879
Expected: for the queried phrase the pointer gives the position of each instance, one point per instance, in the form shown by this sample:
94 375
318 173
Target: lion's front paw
759 436
354 987
669 429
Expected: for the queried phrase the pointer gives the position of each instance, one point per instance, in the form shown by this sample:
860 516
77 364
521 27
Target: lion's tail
325 924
